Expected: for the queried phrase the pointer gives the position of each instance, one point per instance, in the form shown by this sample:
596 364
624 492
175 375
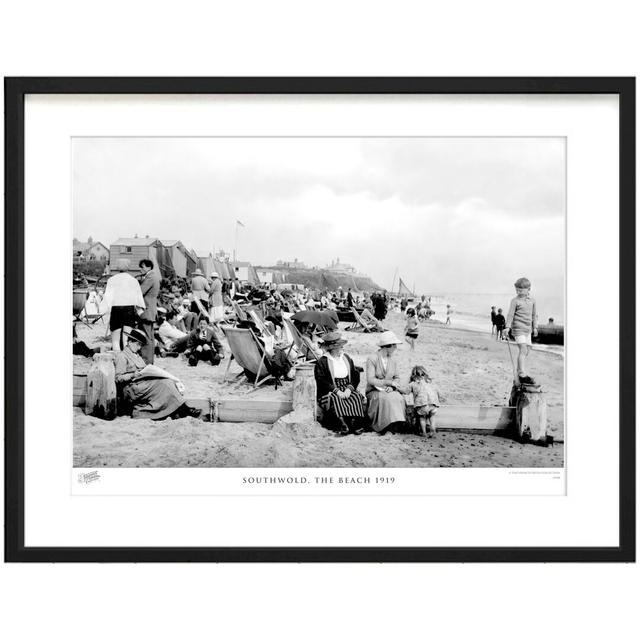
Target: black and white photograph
347 302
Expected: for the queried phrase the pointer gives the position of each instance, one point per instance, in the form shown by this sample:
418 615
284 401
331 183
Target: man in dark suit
150 286
203 344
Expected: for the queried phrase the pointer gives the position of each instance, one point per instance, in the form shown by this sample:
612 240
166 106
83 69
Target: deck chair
240 313
80 311
255 316
248 353
361 323
302 343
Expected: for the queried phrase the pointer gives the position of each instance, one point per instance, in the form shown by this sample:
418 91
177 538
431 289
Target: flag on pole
240 223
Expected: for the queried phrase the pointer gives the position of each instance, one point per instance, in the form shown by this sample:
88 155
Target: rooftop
136 242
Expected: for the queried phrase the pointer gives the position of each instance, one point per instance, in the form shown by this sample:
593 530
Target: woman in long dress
156 398
386 403
337 381
216 305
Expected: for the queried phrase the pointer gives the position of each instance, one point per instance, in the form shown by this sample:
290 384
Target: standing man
150 287
349 299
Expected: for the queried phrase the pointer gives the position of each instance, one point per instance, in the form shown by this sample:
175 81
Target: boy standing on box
522 321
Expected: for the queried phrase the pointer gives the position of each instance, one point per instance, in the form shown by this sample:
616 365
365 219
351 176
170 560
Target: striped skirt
351 407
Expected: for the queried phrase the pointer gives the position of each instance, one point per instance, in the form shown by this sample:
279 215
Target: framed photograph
320 319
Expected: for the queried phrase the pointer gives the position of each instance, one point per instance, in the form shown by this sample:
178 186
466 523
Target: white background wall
332 38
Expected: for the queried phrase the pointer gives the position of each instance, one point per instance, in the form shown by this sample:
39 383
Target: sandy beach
469 367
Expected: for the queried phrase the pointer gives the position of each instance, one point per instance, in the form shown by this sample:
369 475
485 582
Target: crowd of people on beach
150 316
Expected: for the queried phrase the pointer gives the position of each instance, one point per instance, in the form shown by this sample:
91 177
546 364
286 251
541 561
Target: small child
426 399
411 328
500 324
522 321
449 314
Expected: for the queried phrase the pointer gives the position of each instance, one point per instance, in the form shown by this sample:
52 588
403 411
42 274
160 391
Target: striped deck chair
248 353
255 316
239 311
302 343
360 323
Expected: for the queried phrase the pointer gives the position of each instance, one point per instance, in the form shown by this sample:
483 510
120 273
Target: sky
445 214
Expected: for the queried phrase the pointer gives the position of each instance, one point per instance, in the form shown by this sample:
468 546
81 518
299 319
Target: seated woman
337 380
150 397
386 404
203 344
171 341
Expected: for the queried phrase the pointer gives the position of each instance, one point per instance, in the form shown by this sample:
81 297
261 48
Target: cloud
451 214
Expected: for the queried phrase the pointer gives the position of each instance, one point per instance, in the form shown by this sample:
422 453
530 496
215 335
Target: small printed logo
86 478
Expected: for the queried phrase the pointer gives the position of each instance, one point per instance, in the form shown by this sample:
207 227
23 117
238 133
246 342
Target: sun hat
388 338
215 274
197 272
161 310
332 338
135 334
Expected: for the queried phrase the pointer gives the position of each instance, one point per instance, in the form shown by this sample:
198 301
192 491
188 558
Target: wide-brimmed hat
161 310
197 272
135 334
215 274
388 338
332 339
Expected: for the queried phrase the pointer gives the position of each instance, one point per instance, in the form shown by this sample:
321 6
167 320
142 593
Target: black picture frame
15 91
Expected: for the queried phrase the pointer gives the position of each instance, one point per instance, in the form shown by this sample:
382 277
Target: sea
473 310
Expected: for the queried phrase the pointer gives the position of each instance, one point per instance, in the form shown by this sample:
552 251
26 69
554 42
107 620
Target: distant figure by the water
493 320
449 314
522 321
500 323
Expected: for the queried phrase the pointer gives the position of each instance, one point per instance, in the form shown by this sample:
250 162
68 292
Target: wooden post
531 413
301 422
101 387
304 389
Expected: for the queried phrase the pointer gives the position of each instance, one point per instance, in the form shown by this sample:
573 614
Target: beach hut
205 262
222 269
126 253
245 272
178 255
267 276
192 261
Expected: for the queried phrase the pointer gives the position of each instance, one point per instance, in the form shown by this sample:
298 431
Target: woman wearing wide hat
154 397
337 380
386 404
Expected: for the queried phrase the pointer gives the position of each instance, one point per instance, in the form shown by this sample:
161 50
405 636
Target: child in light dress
426 399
